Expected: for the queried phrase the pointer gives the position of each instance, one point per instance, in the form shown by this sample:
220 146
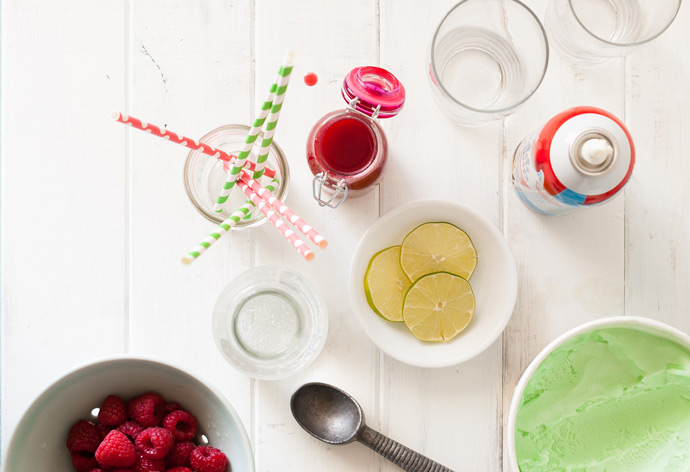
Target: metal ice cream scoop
334 417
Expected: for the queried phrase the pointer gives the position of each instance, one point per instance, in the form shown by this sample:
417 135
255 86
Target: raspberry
104 429
83 461
181 424
147 409
154 443
208 459
97 469
116 451
172 406
144 464
130 429
180 469
179 454
83 436
113 412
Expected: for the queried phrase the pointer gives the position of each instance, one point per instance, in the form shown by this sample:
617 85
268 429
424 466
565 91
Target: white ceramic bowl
38 442
640 323
494 283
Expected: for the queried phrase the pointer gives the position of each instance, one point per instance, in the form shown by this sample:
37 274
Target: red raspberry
208 459
83 461
179 454
180 469
83 436
97 469
130 429
104 429
172 406
181 424
116 450
147 409
144 464
154 443
113 412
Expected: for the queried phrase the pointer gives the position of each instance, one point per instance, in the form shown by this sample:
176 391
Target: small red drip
310 79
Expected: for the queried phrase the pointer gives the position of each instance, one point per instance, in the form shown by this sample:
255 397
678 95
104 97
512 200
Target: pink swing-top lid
374 87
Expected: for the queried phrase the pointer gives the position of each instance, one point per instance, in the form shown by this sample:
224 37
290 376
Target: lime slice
385 284
438 306
438 247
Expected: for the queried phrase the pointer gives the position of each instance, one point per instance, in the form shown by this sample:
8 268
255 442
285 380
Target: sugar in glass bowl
38 441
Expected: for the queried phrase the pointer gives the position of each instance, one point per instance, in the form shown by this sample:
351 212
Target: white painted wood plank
451 415
657 236
62 193
330 38
190 69
570 268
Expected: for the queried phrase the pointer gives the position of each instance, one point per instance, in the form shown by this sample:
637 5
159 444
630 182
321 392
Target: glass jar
347 149
204 175
270 322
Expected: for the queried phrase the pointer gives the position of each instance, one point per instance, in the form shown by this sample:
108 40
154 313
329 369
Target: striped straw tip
290 58
323 244
309 256
115 115
188 259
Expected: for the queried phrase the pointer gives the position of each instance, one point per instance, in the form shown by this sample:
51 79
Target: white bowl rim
246 444
532 367
512 295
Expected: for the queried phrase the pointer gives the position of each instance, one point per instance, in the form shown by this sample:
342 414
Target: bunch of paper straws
239 168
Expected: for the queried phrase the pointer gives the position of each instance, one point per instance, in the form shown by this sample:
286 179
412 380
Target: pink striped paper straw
251 165
284 210
273 217
192 144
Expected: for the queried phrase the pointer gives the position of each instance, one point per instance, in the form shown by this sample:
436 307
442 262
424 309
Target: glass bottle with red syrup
347 149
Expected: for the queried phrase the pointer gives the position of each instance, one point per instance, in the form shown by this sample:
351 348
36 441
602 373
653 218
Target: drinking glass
589 32
204 175
486 59
270 322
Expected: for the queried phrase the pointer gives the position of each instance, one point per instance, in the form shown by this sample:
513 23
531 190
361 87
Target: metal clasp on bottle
338 189
374 114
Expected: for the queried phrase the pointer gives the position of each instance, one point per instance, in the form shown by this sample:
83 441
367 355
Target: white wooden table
95 216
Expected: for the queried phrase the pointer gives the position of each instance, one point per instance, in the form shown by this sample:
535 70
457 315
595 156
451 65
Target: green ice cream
614 399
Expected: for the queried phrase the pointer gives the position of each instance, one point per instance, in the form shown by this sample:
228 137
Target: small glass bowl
204 175
270 322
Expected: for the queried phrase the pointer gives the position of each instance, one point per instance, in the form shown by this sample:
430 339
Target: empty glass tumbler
589 32
486 59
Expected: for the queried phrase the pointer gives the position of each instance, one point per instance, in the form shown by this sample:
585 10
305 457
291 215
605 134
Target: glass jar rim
623 45
513 106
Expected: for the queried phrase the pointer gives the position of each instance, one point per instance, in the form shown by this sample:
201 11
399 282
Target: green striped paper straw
276 92
269 131
223 228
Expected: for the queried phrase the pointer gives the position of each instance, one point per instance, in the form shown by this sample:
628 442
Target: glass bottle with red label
347 149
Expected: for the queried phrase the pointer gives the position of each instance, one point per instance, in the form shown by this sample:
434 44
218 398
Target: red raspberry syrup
348 146
310 79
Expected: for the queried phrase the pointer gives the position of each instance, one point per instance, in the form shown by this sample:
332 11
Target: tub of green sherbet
612 395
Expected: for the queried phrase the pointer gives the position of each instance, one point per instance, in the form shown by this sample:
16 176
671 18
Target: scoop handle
400 455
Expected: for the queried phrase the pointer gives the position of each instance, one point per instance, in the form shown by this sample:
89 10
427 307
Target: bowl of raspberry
130 415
